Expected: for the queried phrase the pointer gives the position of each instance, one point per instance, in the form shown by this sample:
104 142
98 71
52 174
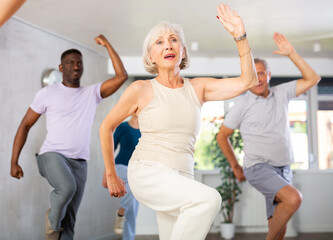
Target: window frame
312 99
317 98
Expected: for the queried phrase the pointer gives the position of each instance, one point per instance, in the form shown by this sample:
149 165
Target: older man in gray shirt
261 115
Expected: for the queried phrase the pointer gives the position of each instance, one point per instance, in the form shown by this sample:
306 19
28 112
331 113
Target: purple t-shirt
70 113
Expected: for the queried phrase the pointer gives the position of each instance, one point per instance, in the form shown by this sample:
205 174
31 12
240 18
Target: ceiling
126 22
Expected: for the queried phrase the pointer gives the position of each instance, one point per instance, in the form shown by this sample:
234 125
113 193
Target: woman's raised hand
231 20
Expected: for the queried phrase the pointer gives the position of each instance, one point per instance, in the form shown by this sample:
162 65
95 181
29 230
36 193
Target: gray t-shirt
264 126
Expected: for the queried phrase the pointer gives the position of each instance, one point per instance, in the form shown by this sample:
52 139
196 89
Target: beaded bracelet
245 53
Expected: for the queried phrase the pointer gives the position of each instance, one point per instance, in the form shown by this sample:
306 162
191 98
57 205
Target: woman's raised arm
210 89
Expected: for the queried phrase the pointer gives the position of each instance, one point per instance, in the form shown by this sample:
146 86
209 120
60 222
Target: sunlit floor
255 236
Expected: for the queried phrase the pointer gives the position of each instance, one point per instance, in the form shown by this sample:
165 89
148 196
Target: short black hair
70 51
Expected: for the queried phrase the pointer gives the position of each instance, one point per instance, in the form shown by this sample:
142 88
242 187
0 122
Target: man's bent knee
290 196
295 200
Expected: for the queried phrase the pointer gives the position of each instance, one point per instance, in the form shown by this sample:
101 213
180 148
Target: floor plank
254 236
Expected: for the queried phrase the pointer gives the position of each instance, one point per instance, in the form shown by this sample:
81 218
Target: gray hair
154 33
263 61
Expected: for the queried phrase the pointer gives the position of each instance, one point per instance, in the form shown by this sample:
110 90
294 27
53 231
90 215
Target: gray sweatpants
68 177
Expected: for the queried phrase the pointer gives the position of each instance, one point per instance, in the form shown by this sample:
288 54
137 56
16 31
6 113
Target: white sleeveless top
169 125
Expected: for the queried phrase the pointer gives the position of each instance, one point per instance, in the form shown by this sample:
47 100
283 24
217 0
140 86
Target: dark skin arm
111 85
28 121
222 139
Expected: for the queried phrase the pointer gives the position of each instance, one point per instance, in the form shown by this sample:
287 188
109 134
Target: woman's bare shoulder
141 86
143 91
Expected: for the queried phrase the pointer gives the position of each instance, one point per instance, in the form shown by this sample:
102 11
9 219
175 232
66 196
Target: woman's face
167 51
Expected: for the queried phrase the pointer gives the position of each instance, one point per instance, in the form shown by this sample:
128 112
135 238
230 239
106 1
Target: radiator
250 211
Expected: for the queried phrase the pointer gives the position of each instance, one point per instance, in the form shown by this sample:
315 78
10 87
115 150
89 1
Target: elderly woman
160 172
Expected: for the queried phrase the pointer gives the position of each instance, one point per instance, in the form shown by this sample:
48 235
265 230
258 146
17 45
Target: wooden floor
254 236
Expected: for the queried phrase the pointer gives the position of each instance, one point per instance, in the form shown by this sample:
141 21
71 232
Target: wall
316 212
25 52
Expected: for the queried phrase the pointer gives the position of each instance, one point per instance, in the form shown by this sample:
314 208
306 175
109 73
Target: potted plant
230 188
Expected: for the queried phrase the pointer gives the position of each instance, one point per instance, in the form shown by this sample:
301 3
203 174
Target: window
298 133
325 126
211 116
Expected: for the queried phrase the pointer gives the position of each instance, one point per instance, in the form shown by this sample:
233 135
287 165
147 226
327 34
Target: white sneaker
118 224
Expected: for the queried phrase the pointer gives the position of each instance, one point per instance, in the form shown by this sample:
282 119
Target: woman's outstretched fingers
231 20
230 13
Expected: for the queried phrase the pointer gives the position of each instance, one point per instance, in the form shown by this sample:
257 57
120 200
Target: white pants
185 208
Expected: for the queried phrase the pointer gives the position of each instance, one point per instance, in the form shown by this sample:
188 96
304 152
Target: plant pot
227 230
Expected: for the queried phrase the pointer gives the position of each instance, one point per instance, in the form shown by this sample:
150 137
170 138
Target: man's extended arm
111 85
310 77
28 121
224 143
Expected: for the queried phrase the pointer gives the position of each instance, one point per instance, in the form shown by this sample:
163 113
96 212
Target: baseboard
107 237
239 229
147 230
314 229
259 229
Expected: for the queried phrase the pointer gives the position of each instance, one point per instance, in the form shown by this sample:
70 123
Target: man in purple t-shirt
70 111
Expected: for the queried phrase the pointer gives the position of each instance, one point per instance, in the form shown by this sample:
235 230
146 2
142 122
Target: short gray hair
156 31
263 61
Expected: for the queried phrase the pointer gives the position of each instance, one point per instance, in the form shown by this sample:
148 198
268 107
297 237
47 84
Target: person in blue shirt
126 137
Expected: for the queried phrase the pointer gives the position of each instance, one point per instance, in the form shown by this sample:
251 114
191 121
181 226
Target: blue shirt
127 137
